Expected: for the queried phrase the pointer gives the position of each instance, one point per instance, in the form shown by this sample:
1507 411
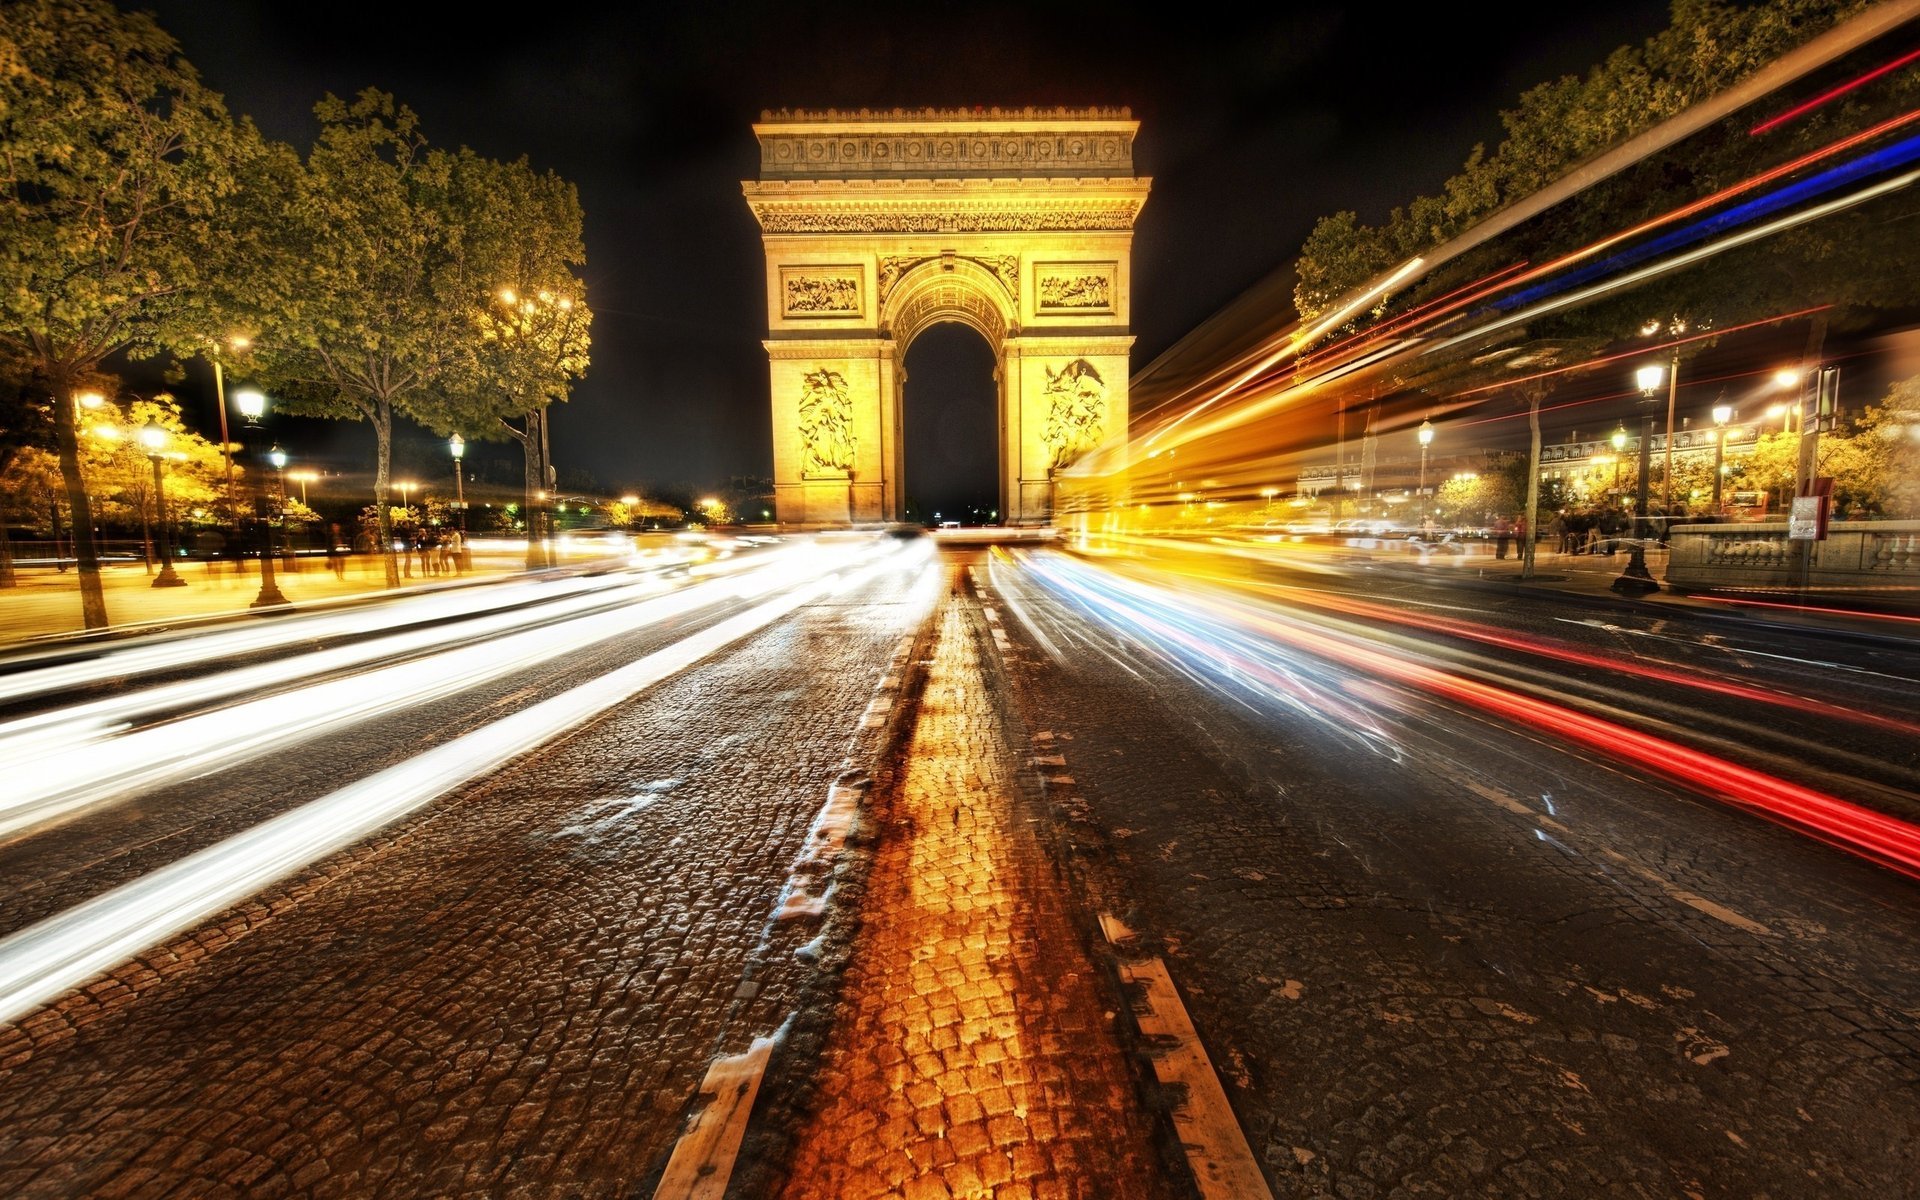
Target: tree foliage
1709 46
114 163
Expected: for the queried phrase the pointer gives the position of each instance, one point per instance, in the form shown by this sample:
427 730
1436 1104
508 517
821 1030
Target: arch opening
952 427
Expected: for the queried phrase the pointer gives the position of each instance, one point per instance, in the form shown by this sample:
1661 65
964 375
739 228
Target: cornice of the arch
951 287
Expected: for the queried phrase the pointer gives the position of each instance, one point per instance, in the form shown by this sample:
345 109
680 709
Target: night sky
1252 127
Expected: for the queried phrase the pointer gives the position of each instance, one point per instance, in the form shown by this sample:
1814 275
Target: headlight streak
175 650
1544 648
52 782
1212 650
43 961
118 710
1859 830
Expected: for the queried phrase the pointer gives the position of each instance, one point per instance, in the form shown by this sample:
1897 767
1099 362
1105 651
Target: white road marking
703 1158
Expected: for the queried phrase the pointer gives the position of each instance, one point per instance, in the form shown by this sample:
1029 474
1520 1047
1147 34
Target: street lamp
1269 493
303 478
154 439
253 406
1619 440
1426 439
457 446
405 488
1722 413
1636 578
278 458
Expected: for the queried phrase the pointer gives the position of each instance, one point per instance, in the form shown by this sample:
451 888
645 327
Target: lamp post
1722 413
278 458
1269 493
154 439
253 406
457 446
1426 439
405 488
1619 440
303 478
1636 578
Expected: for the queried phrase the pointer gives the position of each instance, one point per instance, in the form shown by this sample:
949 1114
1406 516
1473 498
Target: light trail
60 769
41 962
1225 644
1832 94
174 650
1676 262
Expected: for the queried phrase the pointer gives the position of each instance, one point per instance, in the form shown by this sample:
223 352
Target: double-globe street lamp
457 446
253 406
1636 578
153 438
1426 439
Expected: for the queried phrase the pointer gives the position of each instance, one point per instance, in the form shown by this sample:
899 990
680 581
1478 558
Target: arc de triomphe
879 225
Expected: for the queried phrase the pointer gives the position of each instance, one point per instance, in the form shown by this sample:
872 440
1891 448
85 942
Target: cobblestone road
513 994
1434 954
974 1054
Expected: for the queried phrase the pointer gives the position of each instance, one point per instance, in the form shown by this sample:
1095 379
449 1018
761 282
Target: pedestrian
1521 534
1562 532
1502 534
336 552
457 551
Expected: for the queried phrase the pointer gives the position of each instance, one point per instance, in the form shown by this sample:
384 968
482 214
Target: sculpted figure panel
833 292
826 424
1076 411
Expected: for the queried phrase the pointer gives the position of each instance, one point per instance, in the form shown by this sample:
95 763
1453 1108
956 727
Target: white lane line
1217 1152
702 1162
43 961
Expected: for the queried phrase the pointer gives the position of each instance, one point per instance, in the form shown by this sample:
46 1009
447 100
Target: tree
530 314
1709 46
116 162
370 298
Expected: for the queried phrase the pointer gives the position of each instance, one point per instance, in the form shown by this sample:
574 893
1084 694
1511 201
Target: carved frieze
1076 411
826 425
1074 288
1098 152
814 292
795 219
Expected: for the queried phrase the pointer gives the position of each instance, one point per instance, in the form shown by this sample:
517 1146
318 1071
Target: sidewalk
47 602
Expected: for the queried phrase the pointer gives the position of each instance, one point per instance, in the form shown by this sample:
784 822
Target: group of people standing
1592 531
438 551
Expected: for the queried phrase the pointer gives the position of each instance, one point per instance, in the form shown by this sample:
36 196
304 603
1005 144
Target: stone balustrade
1880 559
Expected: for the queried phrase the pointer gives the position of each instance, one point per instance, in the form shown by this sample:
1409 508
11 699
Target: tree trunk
548 482
93 601
529 456
1531 538
383 458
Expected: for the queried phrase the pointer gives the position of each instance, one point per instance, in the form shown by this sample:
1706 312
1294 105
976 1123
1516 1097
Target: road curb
1082 854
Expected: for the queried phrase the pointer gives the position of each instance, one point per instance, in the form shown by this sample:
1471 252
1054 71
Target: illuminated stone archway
877 226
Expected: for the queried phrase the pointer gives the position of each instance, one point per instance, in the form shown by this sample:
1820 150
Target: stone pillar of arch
878 226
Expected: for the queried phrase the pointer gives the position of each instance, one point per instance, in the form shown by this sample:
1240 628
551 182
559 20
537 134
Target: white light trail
74 768
39 963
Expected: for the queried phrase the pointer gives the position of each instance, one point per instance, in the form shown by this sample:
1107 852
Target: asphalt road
1465 894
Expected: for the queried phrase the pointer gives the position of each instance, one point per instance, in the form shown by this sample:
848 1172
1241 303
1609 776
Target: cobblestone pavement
514 993
975 1052
1434 954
